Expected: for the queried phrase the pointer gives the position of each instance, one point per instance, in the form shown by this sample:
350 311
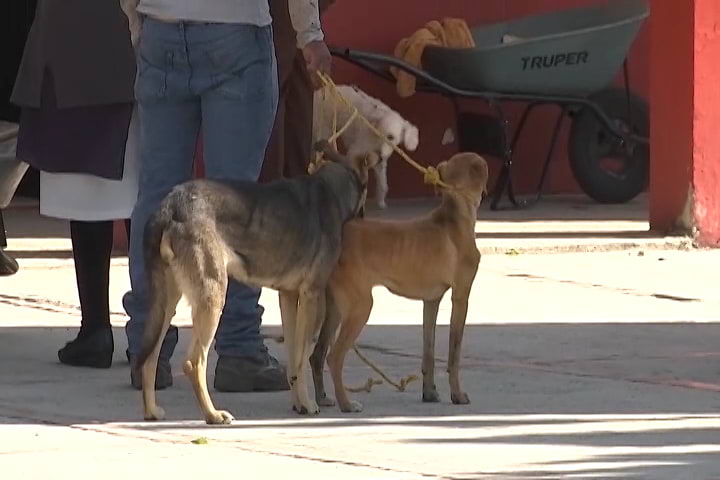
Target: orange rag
450 33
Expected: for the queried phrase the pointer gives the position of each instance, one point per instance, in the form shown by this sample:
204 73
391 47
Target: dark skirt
89 140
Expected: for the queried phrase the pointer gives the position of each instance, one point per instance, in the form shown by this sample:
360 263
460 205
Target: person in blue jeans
209 64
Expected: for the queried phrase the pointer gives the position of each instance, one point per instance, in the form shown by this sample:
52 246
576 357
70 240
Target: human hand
318 59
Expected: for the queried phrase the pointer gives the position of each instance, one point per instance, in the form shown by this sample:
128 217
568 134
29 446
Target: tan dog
419 259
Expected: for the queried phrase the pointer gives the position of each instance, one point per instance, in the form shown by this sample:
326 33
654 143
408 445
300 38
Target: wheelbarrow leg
498 146
504 181
550 153
501 184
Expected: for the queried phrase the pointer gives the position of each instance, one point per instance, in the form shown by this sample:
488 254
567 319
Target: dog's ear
480 169
324 147
321 146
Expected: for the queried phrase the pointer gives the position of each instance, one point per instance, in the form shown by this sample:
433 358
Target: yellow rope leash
430 174
335 135
371 382
404 382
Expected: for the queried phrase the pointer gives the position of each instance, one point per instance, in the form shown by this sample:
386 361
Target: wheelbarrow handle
366 59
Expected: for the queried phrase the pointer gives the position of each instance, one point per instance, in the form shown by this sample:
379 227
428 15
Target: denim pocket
152 65
242 64
150 82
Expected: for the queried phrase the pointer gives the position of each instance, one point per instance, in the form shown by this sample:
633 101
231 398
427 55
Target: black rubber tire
591 145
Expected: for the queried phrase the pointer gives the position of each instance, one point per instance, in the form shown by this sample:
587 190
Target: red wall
378 25
685 119
706 141
672 122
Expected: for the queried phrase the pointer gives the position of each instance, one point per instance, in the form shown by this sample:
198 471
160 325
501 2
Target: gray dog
285 235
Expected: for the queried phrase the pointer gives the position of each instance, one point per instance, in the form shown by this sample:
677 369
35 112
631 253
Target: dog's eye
391 138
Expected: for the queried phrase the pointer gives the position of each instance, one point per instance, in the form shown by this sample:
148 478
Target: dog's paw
326 401
311 409
155 414
382 205
353 407
460 398
219 417
431 396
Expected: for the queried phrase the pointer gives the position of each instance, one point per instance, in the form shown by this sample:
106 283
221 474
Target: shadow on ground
632 400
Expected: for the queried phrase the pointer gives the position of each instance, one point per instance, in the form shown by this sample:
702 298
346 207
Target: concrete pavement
578 365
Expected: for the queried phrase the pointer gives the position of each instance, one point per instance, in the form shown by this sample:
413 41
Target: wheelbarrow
568 59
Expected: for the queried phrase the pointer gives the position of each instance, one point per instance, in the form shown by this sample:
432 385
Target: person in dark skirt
75 87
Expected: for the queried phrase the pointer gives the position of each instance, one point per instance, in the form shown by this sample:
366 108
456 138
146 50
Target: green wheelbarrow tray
571 52
12 170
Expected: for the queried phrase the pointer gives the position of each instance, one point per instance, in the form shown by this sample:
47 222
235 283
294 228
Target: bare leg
288 313
430 311
381 183
167 296
352 325
307 318
457 329
319 355
207 304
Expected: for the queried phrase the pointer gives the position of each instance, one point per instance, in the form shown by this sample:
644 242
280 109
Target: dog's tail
161 284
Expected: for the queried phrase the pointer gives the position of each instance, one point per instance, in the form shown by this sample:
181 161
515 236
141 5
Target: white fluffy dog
358 139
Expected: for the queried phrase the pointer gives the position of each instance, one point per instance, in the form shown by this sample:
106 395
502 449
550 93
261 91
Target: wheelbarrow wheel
608 170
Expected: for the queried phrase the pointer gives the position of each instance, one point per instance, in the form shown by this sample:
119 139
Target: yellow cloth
451 33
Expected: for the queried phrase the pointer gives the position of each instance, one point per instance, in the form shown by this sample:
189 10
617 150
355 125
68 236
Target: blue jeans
223 77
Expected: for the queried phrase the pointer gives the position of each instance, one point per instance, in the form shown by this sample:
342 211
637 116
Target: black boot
92 247
94 349
8 265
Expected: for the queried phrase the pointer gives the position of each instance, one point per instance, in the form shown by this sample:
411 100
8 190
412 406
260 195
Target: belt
178 21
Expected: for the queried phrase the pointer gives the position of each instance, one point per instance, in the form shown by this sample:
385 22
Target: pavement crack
624 291
346 463
165 438
44 304
162 437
